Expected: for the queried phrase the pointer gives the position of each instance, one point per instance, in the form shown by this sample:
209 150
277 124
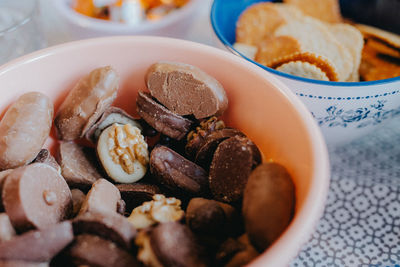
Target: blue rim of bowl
233 50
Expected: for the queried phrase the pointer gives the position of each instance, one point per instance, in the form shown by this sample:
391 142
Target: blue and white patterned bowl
344 111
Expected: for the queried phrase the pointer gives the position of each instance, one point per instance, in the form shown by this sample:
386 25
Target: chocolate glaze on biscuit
86 102
36 196
111 226
205 153
103 197
38 246
185 89
3 176
78 165
110 116
230 168
177 173
268 204
45 157
6 229
175 245
90 250
160 118
24 129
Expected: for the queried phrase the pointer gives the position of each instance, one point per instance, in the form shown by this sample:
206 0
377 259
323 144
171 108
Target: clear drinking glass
19 28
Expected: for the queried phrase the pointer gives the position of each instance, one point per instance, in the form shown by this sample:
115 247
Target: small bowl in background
259 105
345 111
79 26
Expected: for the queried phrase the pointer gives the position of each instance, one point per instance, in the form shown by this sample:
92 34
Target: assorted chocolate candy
176 187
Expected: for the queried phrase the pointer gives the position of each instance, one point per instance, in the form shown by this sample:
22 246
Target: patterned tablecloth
361 222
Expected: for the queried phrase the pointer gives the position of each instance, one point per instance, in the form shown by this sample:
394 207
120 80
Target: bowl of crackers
345 66
96 18
139 158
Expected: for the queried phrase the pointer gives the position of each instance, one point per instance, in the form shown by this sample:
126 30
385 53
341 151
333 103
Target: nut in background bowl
269 113
79 26
344 111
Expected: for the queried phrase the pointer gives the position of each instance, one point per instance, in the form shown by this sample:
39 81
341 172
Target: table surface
361 222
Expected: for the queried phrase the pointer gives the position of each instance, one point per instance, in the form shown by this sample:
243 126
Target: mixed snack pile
310 39
131 12
176 187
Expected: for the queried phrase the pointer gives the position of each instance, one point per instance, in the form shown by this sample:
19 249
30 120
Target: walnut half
159 210
123 153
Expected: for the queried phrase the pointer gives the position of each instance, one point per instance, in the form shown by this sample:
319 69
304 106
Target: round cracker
256 22
274 47
303 69
324 10
321 62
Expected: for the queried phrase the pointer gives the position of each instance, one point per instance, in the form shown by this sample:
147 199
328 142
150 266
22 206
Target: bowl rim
228 45
120 28
303 225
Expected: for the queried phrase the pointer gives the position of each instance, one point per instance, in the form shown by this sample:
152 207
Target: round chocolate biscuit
177 173
36 196
268 204
90 250
205 216
230 168
175 245
112 226
38 245
160 118
205 153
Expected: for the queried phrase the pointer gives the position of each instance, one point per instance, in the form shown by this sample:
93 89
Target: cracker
246 50
256 22
391 39
272 48
382 48
375 67
352 39
325 10
303 69
321 62
316 38
381 73
289 12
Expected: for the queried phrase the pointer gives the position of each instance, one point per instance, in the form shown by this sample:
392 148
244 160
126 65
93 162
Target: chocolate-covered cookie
3 175
12 263
135 194
6 229
78 165
197 137
160 118
78 197
86 102
268 204
103 197
111 226
205 216
45 157
177 173
206 151
170 244
36 196
230 168
110 116
185 89
38 245
90 250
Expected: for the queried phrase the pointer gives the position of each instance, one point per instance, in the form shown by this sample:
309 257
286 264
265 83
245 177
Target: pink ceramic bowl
259 105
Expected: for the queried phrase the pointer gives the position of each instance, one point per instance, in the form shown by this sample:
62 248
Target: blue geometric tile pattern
361 221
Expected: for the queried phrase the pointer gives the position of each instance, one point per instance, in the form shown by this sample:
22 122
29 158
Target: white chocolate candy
123 153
